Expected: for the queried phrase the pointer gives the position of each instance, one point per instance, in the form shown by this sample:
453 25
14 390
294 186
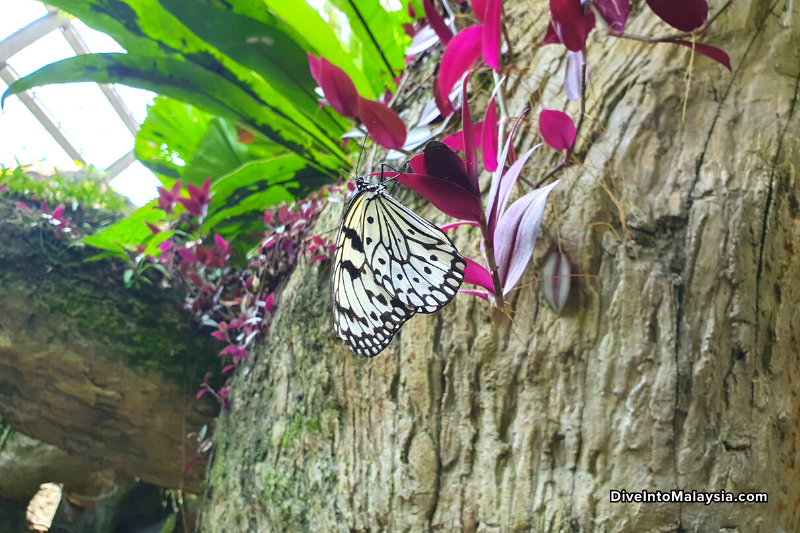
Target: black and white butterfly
389 264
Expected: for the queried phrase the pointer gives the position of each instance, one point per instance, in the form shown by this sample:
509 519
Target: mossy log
677 367
104 373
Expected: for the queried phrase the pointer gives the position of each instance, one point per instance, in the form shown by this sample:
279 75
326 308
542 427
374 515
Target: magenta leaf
615 13
165 246
339 90
489 138
440 161
556 279
442 102
446 196
685 15
470 151
269 303
382 123
201 392
709 51
22 206
479 8
491 33
572 76
571 23
476 274
437 22
516 235
452 225
461 54
557 129
456 140
479 294
190 464
58 212
228 368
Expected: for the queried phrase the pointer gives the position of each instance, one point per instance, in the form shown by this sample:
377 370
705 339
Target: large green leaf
178 140
129 230
281 62
381 37
192 84
139 25
308 22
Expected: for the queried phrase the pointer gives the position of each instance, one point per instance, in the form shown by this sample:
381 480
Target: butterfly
389 264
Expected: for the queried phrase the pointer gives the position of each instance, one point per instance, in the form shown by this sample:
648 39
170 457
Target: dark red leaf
685 15
551 36
447 197
461 54
384 125
557 129
571 23
470 151
437 22
440 161
709 51
339 90
615 13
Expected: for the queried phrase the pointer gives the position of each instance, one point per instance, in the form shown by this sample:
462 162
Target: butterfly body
389 264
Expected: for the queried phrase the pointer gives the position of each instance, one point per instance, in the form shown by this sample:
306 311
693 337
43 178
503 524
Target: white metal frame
11 45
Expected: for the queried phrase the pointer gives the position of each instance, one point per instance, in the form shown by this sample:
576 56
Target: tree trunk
106 374
674 371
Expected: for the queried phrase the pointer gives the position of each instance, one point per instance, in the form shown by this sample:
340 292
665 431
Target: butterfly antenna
385 166
360 153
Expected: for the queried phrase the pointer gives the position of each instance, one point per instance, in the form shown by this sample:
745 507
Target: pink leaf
442 103
478 275
516 235
479 294
556 278
155 229
479 8
470 151
685 15
557 129
461 54
491 33
269 303
490 138
43 207
571 23
709 51
221 335
437 22
228 368
339 90
22 206
186 255
456 140
572 76
319 257
201 392
504 190
58 212
448 227
383 124
447 197
615 13
165 246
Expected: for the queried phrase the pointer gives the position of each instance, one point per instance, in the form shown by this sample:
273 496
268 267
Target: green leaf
264 49
189 83
127 276
180 141
155 240
130 230
382 39
307 21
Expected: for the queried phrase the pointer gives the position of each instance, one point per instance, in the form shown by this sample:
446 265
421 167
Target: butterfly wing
411 258
364 314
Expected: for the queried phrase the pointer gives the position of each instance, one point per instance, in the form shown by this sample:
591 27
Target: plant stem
498 289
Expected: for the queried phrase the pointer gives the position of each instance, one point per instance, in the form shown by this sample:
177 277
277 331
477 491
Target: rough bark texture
105 374
675 370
